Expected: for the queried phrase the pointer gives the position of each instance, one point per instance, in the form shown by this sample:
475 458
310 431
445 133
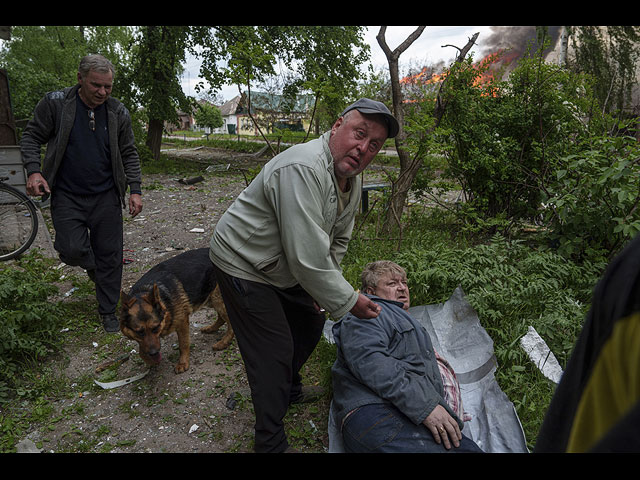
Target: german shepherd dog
162 300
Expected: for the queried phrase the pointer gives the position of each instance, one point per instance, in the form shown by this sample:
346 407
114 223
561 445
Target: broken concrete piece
27 446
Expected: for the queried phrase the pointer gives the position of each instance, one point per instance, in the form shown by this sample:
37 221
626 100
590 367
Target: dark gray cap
368 106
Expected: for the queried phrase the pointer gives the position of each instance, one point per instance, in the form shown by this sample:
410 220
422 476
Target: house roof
231 106
280 103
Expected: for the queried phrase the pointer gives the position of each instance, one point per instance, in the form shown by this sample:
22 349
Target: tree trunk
409 167
398 187
154 137
564 47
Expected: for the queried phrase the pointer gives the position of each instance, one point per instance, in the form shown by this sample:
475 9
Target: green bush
30 322
509 284
502 140
592 204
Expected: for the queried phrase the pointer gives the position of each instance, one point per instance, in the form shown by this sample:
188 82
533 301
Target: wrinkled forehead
392 275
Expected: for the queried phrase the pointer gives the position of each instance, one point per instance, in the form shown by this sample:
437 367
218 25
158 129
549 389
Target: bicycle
18 221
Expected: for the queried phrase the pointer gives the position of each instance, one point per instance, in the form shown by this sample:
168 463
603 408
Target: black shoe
309 394
110 323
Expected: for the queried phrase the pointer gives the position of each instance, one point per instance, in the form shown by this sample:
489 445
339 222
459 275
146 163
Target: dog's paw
210 328
181 367
221 345
224 342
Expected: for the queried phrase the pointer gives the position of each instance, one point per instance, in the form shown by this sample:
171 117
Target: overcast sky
424 51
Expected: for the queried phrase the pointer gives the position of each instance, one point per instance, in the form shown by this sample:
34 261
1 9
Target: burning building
505 46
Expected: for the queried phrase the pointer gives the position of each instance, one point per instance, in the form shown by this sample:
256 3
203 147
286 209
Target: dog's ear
126 300
157 299
156 293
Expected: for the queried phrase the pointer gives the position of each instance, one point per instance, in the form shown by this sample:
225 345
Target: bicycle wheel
18 222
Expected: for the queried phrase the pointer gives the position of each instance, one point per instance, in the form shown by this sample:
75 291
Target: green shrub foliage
30 325
510 285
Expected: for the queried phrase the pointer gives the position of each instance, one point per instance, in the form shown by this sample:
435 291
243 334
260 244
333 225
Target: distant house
277 111
230 111
185 122
271 111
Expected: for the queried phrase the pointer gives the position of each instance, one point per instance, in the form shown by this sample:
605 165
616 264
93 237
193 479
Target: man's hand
365 308
443 427
135 204
37 185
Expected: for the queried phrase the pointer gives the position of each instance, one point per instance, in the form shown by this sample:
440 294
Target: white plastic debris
197 230
70 292
541 355
193 428
119 383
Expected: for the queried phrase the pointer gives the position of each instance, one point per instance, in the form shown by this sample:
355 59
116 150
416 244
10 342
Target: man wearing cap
277 253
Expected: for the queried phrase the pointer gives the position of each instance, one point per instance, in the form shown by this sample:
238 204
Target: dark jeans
381 428
89 235
276 330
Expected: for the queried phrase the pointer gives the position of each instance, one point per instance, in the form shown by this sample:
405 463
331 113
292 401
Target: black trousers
276 330
89 235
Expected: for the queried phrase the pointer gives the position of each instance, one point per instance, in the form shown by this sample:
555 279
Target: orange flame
420 78
489 65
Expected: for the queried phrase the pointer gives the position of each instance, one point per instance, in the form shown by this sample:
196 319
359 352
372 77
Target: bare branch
395 54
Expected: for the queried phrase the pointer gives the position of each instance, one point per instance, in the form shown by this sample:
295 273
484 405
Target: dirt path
206 409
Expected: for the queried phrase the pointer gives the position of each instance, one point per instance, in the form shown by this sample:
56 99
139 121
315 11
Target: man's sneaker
110 323
309 394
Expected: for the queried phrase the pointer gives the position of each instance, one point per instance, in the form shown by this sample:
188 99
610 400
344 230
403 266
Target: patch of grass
170 166
30 321
37 320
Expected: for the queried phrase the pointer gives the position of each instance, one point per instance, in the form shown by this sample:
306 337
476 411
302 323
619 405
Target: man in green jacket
89 162
277 253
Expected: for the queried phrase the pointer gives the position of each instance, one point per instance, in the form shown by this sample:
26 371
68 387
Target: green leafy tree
412 144
610 55
155 70
503 139
41 59
207 115
592 206
323 60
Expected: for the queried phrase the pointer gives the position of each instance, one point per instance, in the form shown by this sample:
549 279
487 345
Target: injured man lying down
391 391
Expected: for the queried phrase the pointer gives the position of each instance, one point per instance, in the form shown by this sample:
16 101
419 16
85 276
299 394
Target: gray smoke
517 40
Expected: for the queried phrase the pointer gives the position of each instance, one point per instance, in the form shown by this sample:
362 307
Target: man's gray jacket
388 359
51 124
285 228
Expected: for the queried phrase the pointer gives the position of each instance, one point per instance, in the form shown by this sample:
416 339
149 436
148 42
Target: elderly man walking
90 160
